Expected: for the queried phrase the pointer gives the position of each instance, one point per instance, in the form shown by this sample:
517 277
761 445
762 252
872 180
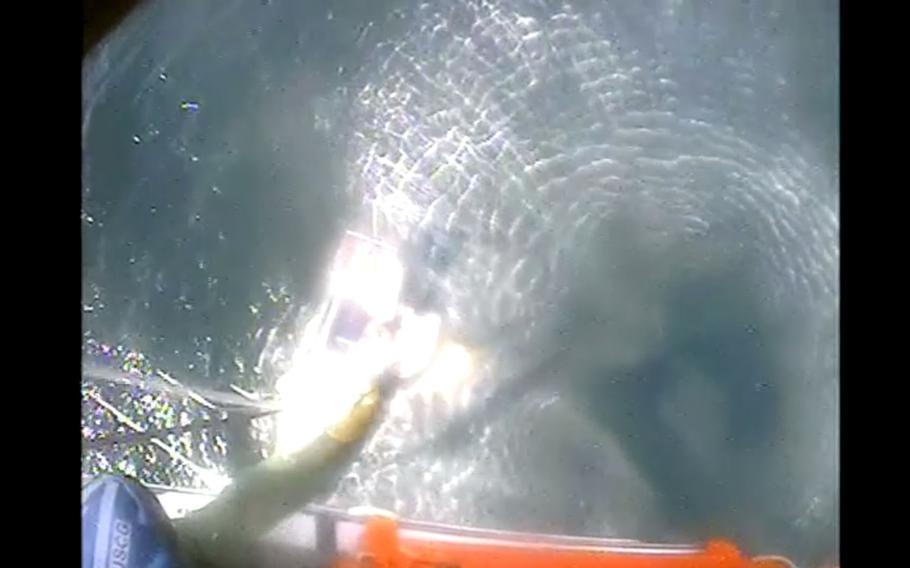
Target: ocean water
626 211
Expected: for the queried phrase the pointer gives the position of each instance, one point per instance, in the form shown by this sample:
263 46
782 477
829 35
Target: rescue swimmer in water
363 337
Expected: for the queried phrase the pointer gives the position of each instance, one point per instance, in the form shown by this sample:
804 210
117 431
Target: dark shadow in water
701 412
673 348
255 71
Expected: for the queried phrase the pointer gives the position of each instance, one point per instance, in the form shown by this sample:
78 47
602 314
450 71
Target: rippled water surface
626 211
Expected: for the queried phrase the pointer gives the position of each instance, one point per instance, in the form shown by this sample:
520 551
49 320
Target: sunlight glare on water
624 215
